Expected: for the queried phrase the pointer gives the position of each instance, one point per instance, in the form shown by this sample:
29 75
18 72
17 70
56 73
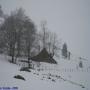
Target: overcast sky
70 19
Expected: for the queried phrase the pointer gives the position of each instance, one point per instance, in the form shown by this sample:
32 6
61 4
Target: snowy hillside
43 78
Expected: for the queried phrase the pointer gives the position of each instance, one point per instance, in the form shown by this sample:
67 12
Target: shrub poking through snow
19 77
53 80
25 69
49 77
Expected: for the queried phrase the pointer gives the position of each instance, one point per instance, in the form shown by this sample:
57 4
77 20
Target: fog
70 19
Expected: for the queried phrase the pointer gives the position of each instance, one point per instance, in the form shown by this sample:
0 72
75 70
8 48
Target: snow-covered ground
64 76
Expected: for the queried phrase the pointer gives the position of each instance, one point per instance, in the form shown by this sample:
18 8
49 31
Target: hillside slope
43 79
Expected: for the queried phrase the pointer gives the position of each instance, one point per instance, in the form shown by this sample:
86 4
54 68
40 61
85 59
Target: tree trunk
13 53
28 52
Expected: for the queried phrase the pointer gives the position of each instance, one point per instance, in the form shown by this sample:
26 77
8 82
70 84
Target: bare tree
29 35
53 44
20 18
19 32
43 26
10 35
49 40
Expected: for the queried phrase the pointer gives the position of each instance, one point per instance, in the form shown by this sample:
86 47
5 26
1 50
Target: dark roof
44 56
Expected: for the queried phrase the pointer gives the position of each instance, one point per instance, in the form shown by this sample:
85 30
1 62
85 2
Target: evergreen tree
64 50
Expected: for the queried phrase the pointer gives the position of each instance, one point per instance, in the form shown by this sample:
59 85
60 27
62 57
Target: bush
49 77
25 69
19 77
53 80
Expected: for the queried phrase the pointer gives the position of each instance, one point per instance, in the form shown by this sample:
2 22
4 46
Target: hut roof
44 56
